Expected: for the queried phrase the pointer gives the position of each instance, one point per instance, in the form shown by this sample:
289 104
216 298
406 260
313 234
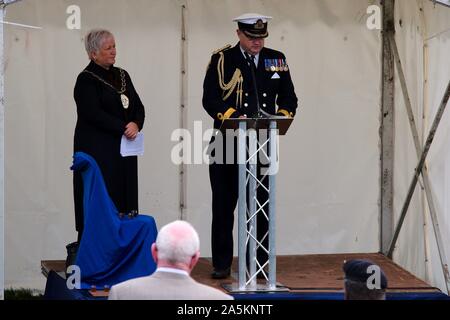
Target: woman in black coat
108 108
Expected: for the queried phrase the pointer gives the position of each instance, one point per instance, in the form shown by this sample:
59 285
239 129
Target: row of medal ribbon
276 65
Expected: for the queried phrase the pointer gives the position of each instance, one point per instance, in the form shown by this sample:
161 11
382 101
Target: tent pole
426 239
2 154
183 111
387 130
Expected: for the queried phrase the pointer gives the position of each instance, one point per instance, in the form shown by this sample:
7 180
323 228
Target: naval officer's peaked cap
253 25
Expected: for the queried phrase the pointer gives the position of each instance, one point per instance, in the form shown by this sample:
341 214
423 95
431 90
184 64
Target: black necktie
251 59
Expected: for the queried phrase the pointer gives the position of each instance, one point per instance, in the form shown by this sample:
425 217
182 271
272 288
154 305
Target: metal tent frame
391 59
3 4
442 2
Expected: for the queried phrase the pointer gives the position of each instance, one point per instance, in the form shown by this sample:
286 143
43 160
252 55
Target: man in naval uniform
230 92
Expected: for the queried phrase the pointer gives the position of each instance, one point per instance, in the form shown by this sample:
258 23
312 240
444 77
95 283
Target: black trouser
224 186
78 203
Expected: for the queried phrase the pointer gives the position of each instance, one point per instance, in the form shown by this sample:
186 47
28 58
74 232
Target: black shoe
221 274
72 250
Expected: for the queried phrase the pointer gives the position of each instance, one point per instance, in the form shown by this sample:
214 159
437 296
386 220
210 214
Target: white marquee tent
330 194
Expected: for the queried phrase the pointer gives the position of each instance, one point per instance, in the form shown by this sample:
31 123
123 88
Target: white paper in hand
132 147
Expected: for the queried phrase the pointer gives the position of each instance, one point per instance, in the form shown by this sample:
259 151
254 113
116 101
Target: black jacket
100 125
275 87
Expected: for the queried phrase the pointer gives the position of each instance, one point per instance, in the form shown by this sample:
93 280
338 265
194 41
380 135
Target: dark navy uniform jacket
276 90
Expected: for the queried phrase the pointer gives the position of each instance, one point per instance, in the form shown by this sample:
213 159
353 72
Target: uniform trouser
224 185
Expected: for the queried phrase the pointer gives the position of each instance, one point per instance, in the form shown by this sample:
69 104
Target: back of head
177 242
364 280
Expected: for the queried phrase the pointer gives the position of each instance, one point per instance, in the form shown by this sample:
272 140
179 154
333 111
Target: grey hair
177 242
94 40
355 290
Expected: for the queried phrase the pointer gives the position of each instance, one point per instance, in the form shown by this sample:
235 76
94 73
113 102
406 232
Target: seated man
364 280
176 252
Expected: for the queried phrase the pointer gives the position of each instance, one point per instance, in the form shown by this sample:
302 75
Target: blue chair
112 249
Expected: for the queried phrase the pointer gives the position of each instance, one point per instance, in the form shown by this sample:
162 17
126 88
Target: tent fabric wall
328 184
329 158
41 68
422 35
438 44
409 42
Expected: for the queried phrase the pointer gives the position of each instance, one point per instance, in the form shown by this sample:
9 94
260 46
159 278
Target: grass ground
22 294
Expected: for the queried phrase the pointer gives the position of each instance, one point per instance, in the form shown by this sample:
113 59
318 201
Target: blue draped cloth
112 249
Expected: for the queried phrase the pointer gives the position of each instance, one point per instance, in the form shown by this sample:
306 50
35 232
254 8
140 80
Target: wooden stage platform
303 273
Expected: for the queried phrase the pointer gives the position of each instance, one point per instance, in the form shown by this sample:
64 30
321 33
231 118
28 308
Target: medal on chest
125 101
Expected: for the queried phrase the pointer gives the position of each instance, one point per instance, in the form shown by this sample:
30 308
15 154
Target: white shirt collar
256 56
172 270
